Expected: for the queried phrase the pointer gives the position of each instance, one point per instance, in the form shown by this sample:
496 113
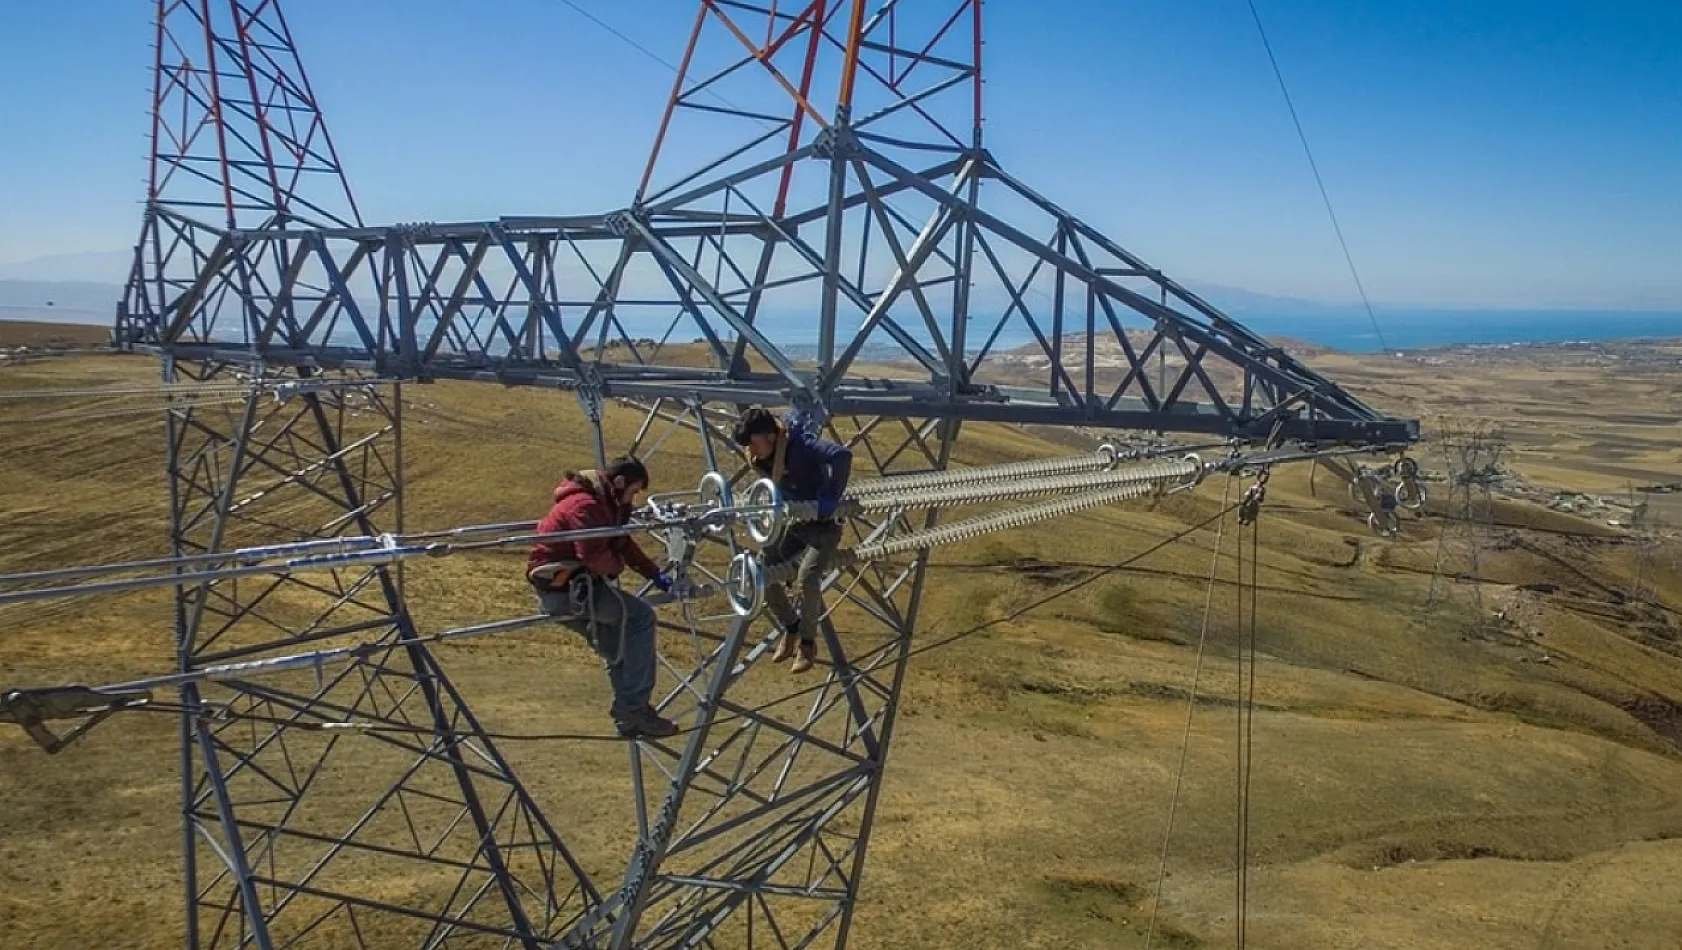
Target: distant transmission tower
1647 528
1471 456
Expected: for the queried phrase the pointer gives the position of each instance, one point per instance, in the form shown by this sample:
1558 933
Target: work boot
808 653
785 646
646 723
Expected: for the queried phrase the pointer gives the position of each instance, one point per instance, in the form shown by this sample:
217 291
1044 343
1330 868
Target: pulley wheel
715 495
745 585
764 525
1410 494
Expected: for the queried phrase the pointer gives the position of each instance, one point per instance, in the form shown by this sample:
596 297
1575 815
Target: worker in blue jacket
807 469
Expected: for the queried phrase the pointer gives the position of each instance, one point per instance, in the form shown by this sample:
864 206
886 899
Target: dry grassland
1425 776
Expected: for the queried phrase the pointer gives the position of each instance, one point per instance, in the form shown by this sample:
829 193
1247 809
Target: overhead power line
1318 180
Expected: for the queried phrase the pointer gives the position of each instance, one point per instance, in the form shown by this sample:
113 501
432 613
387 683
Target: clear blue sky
1497 152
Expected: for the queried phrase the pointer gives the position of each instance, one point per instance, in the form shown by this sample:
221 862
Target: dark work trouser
811 546
603 616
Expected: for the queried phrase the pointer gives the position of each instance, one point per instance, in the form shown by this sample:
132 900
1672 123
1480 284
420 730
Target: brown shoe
784 650
808 653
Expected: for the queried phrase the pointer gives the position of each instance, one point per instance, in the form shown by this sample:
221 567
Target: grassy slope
1422 779
15 333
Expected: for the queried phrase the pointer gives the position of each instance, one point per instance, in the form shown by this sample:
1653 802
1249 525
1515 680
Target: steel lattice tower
849 249
237 139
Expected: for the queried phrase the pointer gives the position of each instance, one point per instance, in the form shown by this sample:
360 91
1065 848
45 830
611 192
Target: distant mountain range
102 267
59 301
64 288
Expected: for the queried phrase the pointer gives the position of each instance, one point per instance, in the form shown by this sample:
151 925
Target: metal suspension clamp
745 584
1385 524
1108 452
1371 490
1249 507
1410 492
766 523
1194 478
1198 468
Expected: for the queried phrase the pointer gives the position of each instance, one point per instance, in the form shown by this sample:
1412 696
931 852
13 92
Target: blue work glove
663 581
826 507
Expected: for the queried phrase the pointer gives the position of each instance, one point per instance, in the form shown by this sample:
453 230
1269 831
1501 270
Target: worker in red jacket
575 583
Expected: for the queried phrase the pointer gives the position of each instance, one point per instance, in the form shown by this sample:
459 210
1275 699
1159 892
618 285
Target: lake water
1417 329
1350 330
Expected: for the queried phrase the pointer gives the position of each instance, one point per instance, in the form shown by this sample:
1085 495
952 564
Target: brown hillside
1427 775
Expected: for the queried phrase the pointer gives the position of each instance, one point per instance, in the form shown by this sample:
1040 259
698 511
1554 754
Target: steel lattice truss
876 264
287 825
850 249
752 829
237 139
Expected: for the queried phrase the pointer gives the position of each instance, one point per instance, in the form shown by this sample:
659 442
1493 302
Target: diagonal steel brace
33 708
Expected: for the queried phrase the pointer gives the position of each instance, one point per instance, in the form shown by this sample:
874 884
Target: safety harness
570 575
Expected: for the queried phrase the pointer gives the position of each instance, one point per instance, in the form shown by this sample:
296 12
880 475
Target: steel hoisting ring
745 585
769 510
